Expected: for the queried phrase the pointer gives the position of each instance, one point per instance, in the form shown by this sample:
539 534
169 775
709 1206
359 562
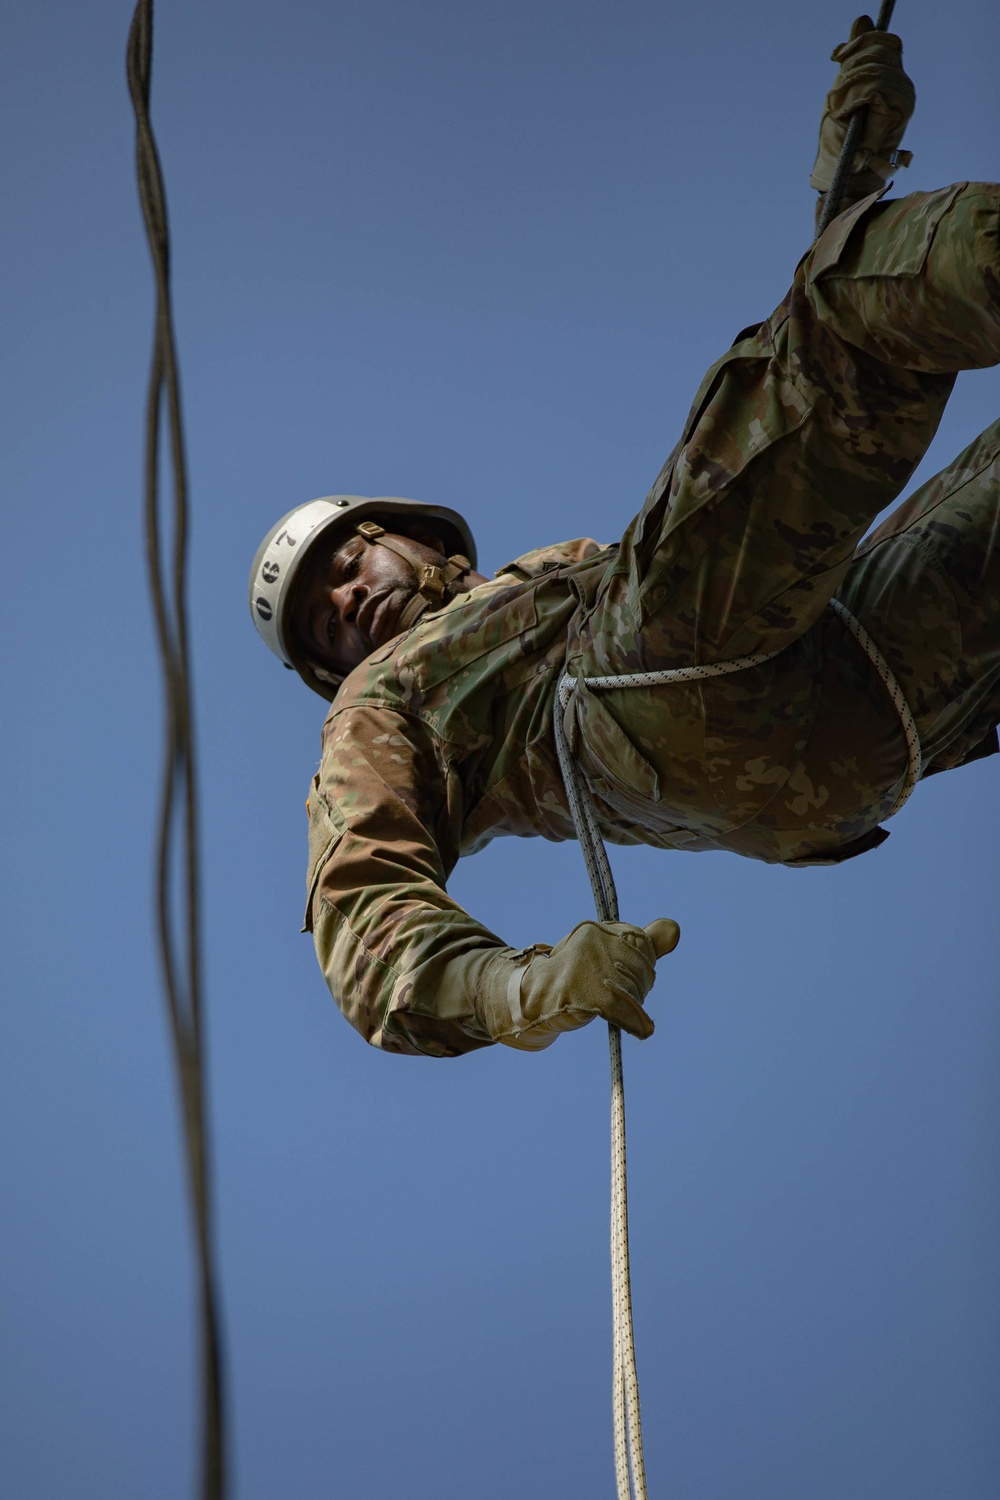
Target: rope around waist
741 663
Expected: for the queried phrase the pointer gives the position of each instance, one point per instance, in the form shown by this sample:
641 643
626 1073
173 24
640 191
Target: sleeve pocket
327 825
898 248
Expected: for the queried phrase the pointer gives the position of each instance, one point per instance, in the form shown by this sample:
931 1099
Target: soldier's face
348 604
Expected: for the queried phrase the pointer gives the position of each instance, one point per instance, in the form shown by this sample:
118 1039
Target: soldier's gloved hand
526 999
871 77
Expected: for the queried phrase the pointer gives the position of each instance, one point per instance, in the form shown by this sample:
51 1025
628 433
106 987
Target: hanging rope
845 161
180 952
625 1379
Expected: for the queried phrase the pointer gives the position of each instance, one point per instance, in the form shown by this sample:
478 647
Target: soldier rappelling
443 683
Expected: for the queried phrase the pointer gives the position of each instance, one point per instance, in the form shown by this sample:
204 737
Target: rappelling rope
625 1379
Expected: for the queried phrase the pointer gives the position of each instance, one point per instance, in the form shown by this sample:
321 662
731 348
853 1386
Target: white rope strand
626 1374
630 1469
681 674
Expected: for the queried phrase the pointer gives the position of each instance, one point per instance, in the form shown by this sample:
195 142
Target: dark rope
856 124
180 952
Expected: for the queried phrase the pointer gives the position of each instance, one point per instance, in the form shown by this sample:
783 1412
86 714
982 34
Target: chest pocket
327 825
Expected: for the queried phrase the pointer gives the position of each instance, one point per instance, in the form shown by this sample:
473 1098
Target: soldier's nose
347 600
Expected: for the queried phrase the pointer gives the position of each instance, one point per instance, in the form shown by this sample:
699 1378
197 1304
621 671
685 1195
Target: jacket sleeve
401 959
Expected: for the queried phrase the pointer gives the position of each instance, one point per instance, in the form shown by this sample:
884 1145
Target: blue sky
479 254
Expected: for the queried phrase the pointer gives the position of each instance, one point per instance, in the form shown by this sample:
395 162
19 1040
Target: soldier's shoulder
369 683
559 555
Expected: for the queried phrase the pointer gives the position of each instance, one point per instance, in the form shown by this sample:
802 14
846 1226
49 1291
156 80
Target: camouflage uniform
805 430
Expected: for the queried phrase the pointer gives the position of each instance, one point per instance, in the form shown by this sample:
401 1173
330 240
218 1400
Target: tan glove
871 77
526 999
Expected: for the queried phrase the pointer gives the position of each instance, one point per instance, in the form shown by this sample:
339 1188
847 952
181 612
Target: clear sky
479 254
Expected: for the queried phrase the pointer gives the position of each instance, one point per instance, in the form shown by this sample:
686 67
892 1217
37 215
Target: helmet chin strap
434 580
435 583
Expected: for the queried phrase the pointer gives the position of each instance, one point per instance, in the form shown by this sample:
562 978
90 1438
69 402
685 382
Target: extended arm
408 967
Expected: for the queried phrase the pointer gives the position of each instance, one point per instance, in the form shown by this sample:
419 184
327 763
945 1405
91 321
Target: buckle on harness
431 581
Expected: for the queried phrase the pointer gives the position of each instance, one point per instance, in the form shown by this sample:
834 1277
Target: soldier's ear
426 537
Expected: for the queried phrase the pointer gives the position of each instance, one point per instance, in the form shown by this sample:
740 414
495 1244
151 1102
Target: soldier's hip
793 761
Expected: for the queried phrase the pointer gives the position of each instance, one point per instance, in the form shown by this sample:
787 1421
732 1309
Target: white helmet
285 547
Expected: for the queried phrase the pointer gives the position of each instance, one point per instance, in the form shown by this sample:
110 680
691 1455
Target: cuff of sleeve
498 1001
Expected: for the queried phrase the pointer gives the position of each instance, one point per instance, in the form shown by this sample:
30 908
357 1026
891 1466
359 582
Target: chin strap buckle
430 582
433 580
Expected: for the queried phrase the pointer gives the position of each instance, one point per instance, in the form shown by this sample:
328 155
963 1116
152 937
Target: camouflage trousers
798 438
